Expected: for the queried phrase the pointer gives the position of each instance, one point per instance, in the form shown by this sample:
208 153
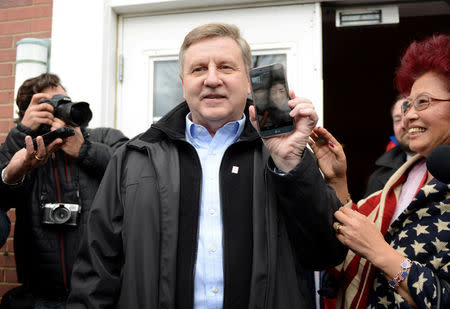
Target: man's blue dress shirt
208 277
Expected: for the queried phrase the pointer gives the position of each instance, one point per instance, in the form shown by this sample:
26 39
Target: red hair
431 54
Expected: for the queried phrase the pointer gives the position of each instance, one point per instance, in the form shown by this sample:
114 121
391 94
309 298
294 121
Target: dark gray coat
128 255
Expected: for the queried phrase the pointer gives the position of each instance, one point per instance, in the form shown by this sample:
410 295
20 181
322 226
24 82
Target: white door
149 83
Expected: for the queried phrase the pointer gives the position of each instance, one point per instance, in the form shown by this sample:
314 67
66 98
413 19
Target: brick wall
18 19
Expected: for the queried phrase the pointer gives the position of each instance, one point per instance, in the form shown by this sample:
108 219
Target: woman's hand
329 153
360 234
364 238
332 161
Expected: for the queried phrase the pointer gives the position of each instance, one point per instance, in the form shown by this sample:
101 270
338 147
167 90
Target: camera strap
74 170
71 175
76 173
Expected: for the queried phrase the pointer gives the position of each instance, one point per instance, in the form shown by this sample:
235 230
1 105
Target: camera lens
60 214
80 113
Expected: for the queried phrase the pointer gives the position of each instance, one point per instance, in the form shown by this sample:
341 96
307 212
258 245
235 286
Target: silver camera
60 213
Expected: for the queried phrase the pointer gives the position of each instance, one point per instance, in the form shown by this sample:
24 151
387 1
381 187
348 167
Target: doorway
358 71
149 84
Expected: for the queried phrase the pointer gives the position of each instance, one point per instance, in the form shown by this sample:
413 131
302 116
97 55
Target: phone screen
270 97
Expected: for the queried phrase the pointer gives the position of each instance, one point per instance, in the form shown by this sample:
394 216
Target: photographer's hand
71 145
38 114
27 159
286 150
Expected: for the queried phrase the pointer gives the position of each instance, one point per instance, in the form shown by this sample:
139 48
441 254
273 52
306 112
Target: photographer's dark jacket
140 244
45 253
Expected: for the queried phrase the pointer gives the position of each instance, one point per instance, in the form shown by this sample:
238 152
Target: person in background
52 188
392 159
399 237
199 211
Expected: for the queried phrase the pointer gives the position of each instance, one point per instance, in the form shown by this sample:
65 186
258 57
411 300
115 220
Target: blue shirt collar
197 134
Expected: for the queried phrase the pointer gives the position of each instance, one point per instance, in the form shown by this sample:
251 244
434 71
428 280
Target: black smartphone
52 135
270 96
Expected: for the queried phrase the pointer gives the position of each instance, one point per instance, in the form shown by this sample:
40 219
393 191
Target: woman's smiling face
430 127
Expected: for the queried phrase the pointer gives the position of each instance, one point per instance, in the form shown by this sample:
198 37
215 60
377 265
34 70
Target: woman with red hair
399 236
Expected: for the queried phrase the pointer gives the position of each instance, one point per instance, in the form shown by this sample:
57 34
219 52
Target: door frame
84 54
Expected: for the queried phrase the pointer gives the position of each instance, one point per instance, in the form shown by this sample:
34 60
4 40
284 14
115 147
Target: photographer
52 189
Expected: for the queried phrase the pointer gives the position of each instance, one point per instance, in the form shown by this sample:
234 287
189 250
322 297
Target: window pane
262 60
167 92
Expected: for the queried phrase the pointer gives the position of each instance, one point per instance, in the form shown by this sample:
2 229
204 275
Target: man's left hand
71 144
286 150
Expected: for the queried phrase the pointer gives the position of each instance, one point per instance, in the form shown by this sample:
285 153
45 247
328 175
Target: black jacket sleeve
307 204
99 146
12 196
15 141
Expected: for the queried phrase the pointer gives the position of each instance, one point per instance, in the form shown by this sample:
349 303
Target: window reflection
167 91
262 60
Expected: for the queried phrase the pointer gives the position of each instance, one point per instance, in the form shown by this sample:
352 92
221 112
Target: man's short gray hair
214 30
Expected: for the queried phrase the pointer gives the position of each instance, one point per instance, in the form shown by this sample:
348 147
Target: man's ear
182 84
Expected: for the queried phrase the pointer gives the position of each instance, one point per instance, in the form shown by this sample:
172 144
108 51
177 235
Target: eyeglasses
420 103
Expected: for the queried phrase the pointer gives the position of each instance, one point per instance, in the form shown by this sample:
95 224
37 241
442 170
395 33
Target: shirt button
216 290
214 152
213 249
212 211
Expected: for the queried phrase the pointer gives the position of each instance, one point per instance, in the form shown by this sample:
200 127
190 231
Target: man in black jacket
199 211
52 189
392 159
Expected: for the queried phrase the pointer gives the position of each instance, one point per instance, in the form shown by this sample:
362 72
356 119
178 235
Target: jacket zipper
223 227
194 151
269 268
266 302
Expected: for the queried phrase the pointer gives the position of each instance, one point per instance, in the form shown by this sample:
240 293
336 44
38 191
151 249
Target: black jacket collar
394 158
172 126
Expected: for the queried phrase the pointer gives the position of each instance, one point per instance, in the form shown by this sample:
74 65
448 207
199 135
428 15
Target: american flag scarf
356 274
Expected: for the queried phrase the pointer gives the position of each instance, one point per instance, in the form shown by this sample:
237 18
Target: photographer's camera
77 114
60 214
